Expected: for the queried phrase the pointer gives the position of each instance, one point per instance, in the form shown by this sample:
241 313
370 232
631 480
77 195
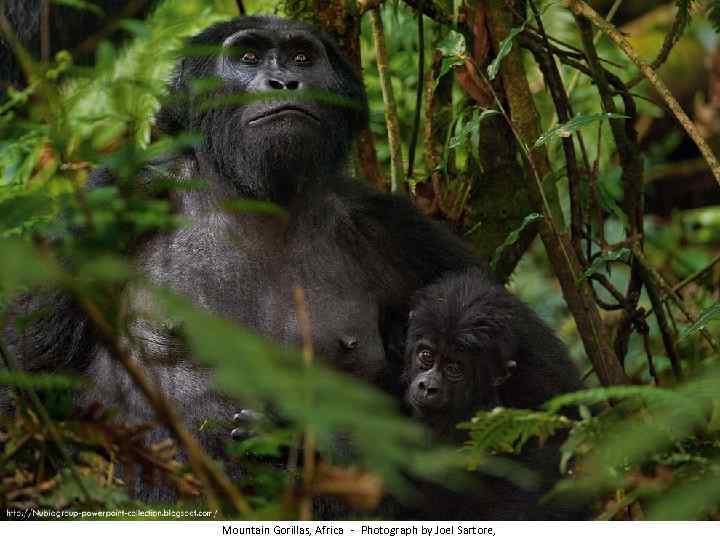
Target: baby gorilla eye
425 358
302 58
249 57
454 370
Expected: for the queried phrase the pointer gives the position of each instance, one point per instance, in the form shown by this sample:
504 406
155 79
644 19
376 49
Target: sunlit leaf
513 237
571 126
505 48
707 316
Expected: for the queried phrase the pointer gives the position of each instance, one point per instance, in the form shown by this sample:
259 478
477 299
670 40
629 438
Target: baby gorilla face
437 381
460 348
445 385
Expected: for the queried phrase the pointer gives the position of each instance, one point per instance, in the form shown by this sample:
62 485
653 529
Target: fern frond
508 430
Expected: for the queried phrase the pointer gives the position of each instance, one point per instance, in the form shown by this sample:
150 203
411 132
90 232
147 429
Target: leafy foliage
654 444
508 430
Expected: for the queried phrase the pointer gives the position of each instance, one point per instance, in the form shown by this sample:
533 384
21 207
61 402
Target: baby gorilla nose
349 343
428 391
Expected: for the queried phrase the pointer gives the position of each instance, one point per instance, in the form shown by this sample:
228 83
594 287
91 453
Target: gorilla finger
240 434
248 416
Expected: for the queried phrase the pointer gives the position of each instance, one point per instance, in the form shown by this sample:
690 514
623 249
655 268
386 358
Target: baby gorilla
471 346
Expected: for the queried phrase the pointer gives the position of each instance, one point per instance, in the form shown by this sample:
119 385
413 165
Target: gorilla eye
425 358
301 58
249 57
454 370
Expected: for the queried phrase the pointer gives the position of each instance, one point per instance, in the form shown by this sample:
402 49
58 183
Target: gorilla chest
248 270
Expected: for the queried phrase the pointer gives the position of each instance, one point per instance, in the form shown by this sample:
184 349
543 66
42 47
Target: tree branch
577 292
397 177
581 9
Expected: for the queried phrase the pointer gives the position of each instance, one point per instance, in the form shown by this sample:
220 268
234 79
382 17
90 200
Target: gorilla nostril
431 391
275 85
348 343
292 85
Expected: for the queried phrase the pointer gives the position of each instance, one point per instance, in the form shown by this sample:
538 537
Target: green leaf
253 206
106 268
513 237
454 50
23 209
507 430
23 267
446 65
39 381
598 264
505 48
600 395
472 128
571 126
82 5
691 498
713 14
710 314
453 45
136 27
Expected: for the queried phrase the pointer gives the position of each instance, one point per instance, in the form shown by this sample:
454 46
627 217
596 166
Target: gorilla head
276 103
461 347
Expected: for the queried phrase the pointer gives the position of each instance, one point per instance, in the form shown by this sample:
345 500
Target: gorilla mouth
428 409
283 111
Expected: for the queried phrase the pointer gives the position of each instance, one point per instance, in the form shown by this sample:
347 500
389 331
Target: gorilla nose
429 390
277 84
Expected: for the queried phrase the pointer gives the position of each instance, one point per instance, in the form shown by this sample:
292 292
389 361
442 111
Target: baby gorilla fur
471 345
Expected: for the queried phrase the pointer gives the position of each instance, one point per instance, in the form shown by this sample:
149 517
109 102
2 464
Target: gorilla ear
411 315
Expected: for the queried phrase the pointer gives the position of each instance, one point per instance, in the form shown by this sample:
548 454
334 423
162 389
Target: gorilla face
461 347
283 103
445 384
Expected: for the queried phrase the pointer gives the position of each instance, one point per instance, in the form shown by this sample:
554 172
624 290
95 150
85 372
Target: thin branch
695 275
609 17
609 287
432 156
572 50
577 292
645 332
653 286
625 136
565 113
397 178
580 8
669 293
418 91
671 38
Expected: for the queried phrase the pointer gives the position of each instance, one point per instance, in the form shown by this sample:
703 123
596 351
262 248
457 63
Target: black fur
511 357
358 254
472 346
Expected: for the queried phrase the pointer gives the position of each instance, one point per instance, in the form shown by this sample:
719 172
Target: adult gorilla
277 127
